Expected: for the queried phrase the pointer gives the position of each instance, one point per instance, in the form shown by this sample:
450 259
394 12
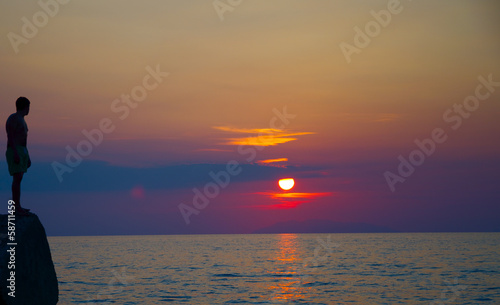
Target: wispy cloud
280 206
289 200
261 136
272 162
248 130
296 195
214 149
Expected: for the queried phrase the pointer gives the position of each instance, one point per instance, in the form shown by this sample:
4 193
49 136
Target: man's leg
16 190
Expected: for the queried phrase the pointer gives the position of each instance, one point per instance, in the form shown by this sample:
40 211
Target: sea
372 268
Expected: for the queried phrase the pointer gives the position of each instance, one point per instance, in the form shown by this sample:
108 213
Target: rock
35 276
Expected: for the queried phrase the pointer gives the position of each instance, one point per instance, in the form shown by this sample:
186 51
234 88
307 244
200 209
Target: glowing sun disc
286 184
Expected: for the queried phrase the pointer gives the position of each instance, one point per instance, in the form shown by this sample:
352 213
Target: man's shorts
20 167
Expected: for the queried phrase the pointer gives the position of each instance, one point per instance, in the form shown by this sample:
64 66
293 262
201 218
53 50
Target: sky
180 117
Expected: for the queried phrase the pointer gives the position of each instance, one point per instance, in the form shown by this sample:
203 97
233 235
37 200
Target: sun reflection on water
288 285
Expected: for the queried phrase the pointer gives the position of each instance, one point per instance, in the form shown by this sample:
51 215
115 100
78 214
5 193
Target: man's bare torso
17 130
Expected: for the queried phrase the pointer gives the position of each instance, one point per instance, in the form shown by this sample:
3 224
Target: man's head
23 104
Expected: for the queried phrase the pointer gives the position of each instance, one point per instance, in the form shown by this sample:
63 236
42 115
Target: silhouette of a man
17 155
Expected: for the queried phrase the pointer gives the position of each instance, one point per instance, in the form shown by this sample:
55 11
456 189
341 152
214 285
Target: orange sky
233 73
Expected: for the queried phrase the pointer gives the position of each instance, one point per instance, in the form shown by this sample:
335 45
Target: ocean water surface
393 268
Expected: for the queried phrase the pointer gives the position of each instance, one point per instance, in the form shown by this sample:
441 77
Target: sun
286 184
